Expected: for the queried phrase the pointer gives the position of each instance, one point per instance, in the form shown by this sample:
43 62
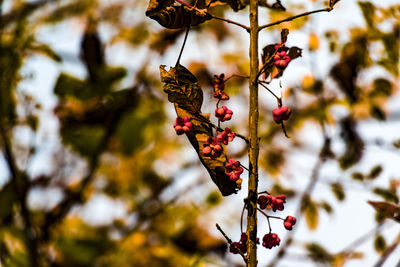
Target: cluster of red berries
183 125
241 245
212 148
223 114
271 240
289 222
281 59
276 203
219 86
280 114
233 169
226 136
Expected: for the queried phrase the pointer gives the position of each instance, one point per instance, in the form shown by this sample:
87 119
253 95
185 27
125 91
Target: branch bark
254 139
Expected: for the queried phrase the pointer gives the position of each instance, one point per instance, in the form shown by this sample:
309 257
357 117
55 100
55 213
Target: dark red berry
281 114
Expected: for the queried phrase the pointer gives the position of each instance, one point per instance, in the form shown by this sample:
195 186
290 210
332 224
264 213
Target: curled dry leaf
185 93
175 17
388 209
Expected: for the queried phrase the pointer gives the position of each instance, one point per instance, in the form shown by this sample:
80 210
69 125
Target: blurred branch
306 194
20 185
75 196
23 11
387 253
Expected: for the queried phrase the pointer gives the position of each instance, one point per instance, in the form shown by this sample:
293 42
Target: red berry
281 59
226 136
182 126
233 169
288 225
281 113
262 201
223 114
212 148
239 245
243 238
271 240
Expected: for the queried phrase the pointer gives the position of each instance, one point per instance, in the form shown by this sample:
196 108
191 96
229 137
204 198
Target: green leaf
182 88
213 198
318 253
375 172
380 244
326 206
68 85
386 194
310 211
358 176
84 139
338 191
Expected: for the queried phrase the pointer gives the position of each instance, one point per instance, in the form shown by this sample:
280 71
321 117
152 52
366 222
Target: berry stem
230 242
284 129
264 192
237 76
267 216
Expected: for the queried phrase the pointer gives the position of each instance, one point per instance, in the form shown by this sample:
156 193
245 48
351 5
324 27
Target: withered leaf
387 209
175 17
184 91
182 88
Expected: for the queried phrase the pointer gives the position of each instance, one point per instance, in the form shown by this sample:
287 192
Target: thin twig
183 46
387 253
267 216
328 9
230 21
306 193
236 76
284 130
231 243
21 192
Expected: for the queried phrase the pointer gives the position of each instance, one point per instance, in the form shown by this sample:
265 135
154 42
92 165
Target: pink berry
281 113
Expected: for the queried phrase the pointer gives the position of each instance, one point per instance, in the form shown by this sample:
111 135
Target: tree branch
231 22
20 185
254 147
328 9
231 243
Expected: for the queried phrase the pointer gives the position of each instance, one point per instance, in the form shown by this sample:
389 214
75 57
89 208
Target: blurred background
93 174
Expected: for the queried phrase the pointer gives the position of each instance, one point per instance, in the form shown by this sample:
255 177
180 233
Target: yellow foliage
313 42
